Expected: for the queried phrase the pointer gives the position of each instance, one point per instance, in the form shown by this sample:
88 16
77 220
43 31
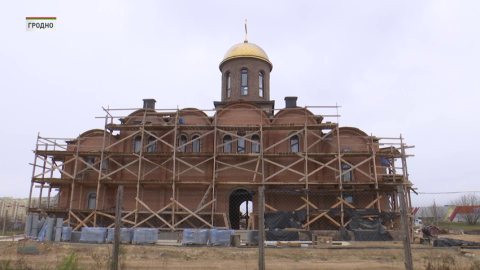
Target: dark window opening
195 144
90 161
241 143
244 88
137 144
294 144
256 144
92 197
104 164
347 177
227 147
152 145
260 84
228 85
182 143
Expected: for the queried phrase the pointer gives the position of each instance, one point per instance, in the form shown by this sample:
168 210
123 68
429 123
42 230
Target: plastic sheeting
66 233
220 237
145 235
282 220
373 235
448 242
195 236
93 235
125 234
344 234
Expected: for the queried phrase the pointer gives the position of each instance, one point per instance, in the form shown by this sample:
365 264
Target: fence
297 221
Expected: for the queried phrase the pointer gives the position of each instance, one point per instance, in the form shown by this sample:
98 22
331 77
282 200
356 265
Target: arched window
137 144
91 200
104 164
294 144
241 145
195 144
228 85
90 161
182 142
256 144
260 84
244 88
151 144
227 147
347 177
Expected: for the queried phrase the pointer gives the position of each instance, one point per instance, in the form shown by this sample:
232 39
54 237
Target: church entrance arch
240 207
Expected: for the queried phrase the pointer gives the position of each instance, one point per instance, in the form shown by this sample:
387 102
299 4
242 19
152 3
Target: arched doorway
240 207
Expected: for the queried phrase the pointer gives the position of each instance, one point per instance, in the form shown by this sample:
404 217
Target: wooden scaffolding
61 163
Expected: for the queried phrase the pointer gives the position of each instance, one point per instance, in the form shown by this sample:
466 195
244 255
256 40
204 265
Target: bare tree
472 204
434 213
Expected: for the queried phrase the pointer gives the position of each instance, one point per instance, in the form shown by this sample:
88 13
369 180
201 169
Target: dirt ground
359 255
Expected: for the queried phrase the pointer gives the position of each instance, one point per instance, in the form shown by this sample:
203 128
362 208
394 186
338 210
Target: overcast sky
395 67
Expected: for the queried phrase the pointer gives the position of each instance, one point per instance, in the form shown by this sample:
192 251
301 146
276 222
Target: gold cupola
246 50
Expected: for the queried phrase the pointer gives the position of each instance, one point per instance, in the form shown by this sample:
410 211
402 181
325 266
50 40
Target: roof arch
227 113
289 113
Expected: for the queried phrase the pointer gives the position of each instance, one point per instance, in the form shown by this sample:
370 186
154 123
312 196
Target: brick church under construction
193 168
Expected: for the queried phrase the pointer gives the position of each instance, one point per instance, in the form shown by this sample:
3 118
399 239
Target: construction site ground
357 255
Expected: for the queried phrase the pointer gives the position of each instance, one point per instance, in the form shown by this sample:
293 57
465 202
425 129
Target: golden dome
246 50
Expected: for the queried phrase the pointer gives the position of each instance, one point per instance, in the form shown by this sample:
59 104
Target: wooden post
4 222
118 217
261 228
405 229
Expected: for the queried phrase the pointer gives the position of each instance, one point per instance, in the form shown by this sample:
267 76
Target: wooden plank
314 219
372 203
333 221
155 214
271 208
349 205
301 207
84 221
311 204
193 213
227 221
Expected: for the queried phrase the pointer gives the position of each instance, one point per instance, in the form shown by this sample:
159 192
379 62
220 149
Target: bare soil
359 255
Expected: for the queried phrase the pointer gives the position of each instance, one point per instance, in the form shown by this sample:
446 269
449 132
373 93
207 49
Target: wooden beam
311 204
372 203
271 208
193 213
349 205
314 219
154 213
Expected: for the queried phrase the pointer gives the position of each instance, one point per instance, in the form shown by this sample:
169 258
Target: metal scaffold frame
53 155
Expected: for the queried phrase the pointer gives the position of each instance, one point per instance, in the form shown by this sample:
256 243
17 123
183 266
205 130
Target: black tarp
344 234
365 229
357 223
282 220
372 235
448 242
360 212
282 236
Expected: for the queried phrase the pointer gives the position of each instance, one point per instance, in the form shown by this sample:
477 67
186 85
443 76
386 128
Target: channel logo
41 23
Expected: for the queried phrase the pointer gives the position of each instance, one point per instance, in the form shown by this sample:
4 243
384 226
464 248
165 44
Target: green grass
12 233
